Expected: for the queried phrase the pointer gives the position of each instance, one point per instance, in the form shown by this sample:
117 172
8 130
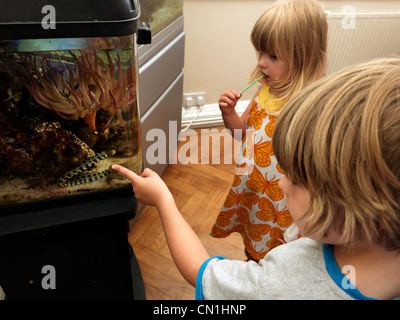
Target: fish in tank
66 116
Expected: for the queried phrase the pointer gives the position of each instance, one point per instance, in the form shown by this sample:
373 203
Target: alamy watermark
49 20
49 280
349 20
209 146
349 278
163 151
164 148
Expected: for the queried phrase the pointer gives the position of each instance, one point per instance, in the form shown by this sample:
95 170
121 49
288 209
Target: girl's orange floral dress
255 206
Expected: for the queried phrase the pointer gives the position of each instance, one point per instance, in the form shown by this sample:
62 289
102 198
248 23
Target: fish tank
160 13
68 99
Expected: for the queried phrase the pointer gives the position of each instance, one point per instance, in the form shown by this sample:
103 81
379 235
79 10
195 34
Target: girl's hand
228 101
148 187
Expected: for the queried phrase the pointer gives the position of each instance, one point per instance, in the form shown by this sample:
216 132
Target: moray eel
79 174
86 178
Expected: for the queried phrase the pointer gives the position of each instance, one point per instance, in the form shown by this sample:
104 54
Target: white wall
219 55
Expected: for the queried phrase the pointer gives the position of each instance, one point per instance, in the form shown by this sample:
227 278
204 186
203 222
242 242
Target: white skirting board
208 115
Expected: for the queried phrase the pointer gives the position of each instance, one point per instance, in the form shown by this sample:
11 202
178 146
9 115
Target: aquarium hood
27 19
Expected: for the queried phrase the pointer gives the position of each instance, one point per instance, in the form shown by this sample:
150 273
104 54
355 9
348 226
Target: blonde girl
290 39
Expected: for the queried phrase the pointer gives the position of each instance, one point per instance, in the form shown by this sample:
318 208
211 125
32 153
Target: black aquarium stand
85 243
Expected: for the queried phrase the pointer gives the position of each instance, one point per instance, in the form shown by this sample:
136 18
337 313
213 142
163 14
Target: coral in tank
80 88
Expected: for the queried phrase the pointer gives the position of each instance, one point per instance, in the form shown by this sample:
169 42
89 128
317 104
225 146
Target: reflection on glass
160 13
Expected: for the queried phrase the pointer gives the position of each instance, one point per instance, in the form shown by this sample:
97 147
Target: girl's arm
186 249
227 103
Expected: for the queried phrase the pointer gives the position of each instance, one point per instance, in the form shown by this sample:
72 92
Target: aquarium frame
66 44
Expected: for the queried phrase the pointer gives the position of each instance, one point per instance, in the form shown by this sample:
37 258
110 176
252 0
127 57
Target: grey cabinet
161 87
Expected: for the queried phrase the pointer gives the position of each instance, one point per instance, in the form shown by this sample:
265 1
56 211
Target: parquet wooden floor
199 191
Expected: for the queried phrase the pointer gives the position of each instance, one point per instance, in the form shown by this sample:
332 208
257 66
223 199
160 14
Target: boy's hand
148 187
228 101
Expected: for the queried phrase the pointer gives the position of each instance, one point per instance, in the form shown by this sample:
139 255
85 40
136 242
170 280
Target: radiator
354 37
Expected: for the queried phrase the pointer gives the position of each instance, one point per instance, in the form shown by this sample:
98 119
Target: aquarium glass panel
68 111
160 13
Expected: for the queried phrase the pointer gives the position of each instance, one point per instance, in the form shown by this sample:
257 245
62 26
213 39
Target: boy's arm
186 249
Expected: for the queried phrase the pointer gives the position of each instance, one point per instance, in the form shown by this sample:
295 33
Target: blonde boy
338 142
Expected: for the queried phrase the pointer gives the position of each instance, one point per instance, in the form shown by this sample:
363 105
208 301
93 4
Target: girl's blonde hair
295 31
340 138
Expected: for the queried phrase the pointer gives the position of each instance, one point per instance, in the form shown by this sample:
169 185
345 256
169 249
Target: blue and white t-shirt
302 269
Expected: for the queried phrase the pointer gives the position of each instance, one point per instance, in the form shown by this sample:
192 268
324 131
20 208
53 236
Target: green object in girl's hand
251 84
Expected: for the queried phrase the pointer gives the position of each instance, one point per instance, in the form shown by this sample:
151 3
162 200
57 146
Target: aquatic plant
77 90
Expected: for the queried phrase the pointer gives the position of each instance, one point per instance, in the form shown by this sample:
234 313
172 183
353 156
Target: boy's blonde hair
295 31
340 138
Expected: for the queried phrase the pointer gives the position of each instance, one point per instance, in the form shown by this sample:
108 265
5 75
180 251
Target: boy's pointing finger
125 172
